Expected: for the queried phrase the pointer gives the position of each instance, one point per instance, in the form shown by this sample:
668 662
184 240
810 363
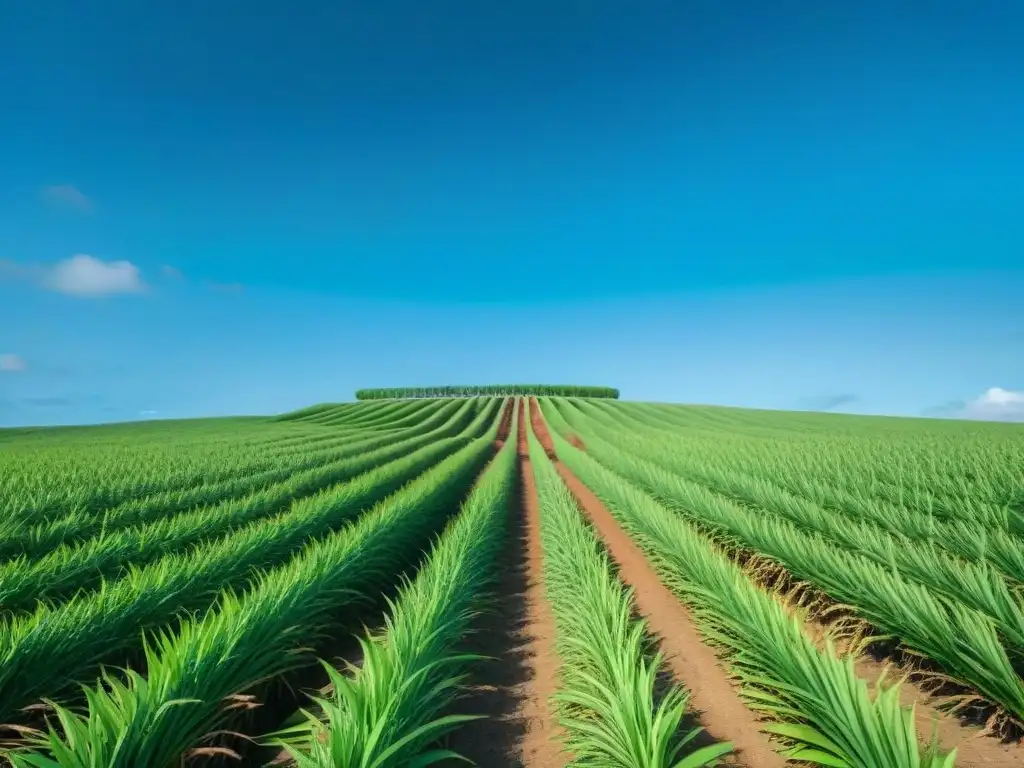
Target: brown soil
974 747
722 712
539 748
540 429
514 690
577 441
506 423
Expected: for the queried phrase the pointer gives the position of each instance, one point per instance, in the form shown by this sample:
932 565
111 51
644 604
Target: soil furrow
505 426
721 710
514 690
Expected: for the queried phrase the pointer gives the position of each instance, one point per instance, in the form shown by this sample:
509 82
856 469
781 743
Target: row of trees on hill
493 390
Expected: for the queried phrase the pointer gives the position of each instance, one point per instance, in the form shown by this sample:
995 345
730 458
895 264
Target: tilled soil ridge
512 690
505 425
722 712
515 689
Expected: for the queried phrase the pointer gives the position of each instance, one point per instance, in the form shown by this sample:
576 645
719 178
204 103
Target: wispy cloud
828 402
88 277
148 413
81 275
67 195
995 404
12 363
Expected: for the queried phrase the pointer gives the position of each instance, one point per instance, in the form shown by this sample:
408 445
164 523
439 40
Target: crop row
950 477
72 567
386 415
101 626
44 539
247 638
493 390
113 478
606 698
960 560
397 702
815 700
718 467
911 604
220 480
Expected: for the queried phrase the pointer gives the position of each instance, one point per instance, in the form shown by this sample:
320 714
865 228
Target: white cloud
67 194
88 277
172 272
148 414
11 363
997 404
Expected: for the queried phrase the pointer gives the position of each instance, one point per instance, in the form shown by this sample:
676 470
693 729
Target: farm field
515 577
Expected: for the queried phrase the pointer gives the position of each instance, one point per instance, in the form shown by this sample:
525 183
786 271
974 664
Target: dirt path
506 423
721 710
513 692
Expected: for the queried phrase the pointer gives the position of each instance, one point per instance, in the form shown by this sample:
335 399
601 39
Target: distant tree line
495 390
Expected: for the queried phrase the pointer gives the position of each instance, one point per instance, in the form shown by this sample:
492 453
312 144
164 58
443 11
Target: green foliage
247 638
606 693
92 627
493 390
210 555
136 534
393 706
821 708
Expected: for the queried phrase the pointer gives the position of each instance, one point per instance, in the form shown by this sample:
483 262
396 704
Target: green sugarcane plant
606 698
813 698
393 708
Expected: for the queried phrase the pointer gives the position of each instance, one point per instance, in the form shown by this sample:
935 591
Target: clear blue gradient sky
771 204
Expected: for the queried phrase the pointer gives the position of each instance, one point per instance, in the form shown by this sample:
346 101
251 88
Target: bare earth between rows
721 710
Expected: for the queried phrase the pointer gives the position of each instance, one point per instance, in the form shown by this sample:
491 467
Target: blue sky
257 206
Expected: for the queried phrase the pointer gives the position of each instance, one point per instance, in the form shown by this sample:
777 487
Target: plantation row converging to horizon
638 585
490 390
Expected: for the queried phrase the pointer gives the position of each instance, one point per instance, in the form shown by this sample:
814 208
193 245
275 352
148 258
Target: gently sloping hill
722 712
38 541
736 464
